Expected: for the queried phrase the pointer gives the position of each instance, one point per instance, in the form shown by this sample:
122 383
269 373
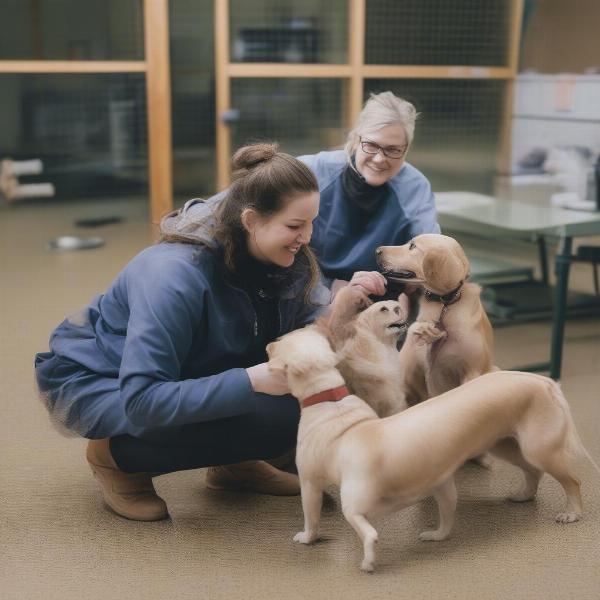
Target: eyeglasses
389 151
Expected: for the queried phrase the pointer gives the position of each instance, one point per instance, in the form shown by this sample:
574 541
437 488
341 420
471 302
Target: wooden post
223 92
356 57
514 41
158 94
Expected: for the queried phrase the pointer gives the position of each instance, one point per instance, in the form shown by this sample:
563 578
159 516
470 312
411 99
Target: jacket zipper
255 328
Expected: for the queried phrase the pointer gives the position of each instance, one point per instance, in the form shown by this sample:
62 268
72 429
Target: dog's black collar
445 299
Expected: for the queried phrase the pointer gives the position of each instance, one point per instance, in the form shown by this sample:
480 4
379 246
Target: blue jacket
345 237
176 335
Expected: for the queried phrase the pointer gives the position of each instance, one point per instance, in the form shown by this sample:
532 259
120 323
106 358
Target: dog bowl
72 242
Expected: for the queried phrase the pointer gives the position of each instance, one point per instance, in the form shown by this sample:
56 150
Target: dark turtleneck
362 195
270 280
264 284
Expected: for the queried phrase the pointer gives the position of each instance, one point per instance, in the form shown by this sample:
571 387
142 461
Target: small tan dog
451 341
369 357
384 465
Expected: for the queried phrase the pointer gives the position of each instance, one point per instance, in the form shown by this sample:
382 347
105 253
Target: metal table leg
561 270
543 254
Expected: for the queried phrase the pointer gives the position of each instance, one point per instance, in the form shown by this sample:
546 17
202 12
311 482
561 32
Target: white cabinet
555 110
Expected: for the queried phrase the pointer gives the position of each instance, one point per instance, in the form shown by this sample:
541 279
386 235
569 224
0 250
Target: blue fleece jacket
175 333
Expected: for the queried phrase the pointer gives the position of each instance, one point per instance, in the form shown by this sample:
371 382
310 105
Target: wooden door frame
158 95
354 72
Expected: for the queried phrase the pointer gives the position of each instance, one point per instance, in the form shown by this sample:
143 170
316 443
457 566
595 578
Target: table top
489 216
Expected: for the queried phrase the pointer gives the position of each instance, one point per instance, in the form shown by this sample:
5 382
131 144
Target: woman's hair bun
250 156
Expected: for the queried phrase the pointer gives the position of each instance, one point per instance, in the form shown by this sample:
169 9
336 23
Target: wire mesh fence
72 30
458 131
90 132
303 115
437 32
293 31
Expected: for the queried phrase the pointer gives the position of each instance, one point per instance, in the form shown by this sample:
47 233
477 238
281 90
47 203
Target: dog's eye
384 309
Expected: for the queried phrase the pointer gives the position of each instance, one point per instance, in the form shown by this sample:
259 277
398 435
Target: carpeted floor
58 541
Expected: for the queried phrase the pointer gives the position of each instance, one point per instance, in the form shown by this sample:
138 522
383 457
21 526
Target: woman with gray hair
369 195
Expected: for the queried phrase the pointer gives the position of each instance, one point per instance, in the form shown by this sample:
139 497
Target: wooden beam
287 70
514 42
72 66
434 72
158 93
357 22
223 92
504 159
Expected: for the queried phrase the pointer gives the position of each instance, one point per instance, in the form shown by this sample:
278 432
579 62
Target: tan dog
369 357
451 341
384 465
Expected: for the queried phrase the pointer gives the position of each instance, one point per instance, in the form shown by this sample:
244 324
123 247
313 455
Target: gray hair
379 111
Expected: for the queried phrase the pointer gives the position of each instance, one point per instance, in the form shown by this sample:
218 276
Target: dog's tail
575 447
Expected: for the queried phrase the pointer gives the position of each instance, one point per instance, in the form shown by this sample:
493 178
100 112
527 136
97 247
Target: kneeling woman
167 370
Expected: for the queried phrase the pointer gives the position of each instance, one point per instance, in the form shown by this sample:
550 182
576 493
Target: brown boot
285 462
130 495
253 476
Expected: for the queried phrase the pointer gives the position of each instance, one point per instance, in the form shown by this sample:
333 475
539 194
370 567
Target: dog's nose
378 251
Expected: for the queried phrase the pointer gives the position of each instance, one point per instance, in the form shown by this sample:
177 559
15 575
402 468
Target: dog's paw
433 536
351 299
302 537
368 566
567 517
426 332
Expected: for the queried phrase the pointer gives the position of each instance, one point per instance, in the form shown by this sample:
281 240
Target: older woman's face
379 168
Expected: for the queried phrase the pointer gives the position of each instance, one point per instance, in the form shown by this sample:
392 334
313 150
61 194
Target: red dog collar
332 395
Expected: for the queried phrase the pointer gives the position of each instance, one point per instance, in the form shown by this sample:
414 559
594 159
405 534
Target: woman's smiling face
378 168
277 238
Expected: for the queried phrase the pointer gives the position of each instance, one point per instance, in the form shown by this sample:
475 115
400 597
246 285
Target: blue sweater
345 237
176 334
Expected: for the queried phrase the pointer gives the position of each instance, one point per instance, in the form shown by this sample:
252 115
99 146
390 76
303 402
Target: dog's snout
379 251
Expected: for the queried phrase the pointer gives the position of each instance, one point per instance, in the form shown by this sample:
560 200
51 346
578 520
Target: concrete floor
59 541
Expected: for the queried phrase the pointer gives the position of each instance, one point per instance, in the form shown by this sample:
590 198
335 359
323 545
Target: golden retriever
451 341
384 465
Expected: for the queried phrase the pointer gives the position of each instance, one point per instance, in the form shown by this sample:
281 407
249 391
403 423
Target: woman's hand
267 382
370 282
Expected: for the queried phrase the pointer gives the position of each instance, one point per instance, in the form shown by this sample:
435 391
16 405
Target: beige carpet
59 542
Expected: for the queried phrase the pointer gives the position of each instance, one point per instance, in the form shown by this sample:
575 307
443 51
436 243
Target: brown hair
264 180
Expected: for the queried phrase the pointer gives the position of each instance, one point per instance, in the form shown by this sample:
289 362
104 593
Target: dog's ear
313 358
444 270
276 363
